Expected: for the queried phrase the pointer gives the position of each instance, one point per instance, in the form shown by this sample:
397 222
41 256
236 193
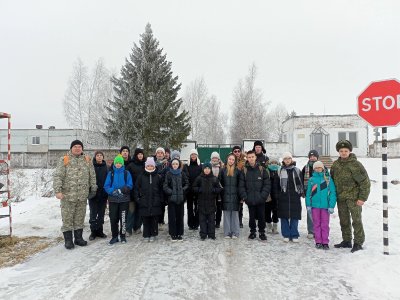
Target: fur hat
123 148
313 153
137 151
344 144
76 142
259 143
150 162
318 164
215 155
194 151
287 155
119 160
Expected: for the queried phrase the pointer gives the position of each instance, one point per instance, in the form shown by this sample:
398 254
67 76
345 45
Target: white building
322 132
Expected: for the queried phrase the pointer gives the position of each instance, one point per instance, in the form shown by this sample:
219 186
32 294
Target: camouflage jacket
351 179
74 177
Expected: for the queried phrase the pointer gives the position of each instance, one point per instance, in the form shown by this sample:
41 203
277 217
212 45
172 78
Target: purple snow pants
320 218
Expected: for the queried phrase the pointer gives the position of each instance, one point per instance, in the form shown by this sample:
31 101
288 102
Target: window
36 140
350 136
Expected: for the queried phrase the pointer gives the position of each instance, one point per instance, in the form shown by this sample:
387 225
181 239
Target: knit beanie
215 155
287 155
194 151
123 148
119 160
150 162
175 154
76 142
313 153
160 149
236 148
207 165
318 164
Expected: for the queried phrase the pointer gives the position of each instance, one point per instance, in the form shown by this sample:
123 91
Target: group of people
138 190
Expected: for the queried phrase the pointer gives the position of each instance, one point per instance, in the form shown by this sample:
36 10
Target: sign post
379 105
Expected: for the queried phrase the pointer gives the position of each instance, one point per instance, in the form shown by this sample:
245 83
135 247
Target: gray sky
313 56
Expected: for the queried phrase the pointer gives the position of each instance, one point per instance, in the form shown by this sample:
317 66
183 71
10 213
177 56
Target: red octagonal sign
379 104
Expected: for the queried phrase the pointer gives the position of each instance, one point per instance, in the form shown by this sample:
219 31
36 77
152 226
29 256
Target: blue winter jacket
321 193
118 183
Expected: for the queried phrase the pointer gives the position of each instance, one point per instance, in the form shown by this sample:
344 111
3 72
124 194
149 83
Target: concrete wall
393 149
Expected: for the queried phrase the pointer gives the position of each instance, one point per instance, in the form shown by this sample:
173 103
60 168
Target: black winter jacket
101 175
254 185
289 203
230 194
275 185
136 168
207 187
175 187
148 193
193 170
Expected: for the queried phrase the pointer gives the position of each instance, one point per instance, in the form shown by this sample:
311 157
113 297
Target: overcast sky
312 56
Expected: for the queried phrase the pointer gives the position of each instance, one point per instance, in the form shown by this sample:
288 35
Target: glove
125 190
331 210
309 209
92 195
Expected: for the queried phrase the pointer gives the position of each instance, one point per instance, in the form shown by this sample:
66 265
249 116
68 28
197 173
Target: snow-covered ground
221 269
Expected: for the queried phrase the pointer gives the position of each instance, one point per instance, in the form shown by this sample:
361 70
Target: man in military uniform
352 186
74 178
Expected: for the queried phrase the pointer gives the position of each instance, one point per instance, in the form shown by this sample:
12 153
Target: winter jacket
351 179
117 184
254 185
308 175
175 187
262 159
149 194
275 185
207 187
230 193
321 191
136 168
289 204
101 171
192 170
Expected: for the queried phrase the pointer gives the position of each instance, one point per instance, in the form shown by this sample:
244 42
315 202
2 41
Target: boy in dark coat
98 204
207 186
148 193
175 186
254 188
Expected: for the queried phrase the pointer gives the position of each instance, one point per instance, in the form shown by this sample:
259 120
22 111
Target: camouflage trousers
73 214
350 214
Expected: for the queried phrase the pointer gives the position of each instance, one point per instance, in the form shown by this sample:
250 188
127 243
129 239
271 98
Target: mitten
309 209
331 210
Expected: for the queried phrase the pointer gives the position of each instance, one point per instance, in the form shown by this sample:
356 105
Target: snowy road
221 269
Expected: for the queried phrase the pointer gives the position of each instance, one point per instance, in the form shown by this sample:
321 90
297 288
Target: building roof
318 116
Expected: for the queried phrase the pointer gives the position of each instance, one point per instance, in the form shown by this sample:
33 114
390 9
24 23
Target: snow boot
263 237
275 228
269 228
123 239
68 240
343 244
356 247
318 246
100 233
252 236
325 246
92 235
113 241
78 238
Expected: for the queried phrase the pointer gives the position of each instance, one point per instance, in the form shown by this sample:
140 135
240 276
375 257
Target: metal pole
8 174
385 192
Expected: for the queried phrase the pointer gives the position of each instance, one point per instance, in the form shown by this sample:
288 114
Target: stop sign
379 103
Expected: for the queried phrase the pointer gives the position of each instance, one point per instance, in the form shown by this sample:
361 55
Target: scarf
175 172
273 167
298 186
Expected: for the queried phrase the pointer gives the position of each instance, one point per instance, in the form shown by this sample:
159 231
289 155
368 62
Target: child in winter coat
229 178
216 166
289 203
320 202
175 185
272 201
118 186
149 196
207 186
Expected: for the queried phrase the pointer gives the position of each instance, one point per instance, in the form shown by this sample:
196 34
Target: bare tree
249 114
87 95
207 121
276 117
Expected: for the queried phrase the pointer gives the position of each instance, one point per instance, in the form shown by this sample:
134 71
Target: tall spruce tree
146 109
